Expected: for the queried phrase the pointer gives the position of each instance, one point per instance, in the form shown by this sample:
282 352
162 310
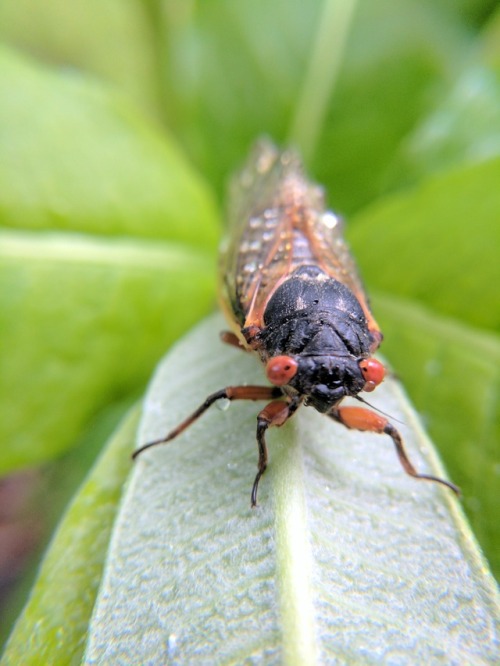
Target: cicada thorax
317 323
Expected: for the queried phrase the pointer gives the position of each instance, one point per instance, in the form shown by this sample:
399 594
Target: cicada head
325 380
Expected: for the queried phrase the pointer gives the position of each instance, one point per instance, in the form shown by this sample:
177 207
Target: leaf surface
345 559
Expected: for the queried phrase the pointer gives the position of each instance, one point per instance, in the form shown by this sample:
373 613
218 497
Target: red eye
281 369
373 373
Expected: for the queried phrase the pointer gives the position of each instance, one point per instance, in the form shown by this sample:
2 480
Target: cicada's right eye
281 369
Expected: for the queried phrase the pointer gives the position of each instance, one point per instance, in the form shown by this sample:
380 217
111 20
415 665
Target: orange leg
232 339
228 393
276 413
359 418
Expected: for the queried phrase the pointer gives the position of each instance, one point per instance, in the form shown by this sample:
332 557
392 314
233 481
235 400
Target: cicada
292 295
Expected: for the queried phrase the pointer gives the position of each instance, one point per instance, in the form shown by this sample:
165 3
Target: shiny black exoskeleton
319 322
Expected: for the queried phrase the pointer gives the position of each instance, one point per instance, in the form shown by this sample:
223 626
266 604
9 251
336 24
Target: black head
325 380
316 339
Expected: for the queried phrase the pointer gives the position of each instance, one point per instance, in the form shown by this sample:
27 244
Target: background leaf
463 128
62 599
394 55
88 163
111 41
64 289
444 239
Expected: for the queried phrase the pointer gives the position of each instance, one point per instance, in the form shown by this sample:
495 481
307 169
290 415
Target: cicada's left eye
281 369
373 373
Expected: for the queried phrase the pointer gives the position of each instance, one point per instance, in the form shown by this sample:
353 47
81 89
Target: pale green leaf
346 559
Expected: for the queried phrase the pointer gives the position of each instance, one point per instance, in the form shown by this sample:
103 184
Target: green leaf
53 626
472 11
87 161
490 42
111 40
346 559
437 243
220 82
102 313
464 127
398 57
452 373
85 311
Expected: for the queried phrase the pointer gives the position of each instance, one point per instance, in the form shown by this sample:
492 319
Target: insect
291 292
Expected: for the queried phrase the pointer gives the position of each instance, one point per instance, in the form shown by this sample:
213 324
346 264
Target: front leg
228 393
359 418
276 413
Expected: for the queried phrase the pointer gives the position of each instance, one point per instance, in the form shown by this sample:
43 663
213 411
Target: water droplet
254 222
171 645
330 220
223 404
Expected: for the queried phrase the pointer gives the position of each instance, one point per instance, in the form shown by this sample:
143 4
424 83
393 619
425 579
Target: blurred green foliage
119 123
